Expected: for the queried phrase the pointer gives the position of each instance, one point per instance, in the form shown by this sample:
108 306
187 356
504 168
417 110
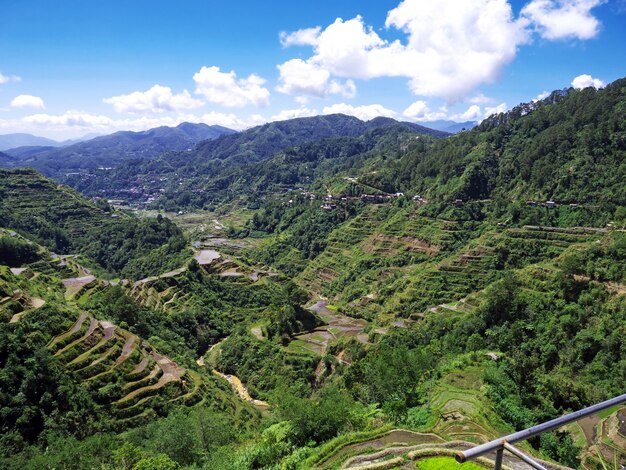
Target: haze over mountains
9 141
111 150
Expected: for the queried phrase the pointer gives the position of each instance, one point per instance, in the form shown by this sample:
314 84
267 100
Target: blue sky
69 68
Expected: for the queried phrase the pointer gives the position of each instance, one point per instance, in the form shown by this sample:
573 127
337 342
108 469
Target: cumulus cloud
229 120
155 100
69 119
304 78
448 48
9 78
302 37
365 112
585 81
419 111
27 101
471 114
563 19
225 89
541 96
501 108
451 47
76 123
293 113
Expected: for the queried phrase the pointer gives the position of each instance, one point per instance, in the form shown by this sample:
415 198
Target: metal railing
505 443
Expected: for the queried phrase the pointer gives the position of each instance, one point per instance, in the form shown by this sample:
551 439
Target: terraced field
414 262
125 374
603 435
464 419
336 326
479 263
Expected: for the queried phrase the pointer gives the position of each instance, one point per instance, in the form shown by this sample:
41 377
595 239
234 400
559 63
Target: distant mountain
5 159
91 135
260 142
212 168
111 150
8 141
20 153
452 127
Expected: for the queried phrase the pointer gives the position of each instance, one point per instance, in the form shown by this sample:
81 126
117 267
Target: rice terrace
313 235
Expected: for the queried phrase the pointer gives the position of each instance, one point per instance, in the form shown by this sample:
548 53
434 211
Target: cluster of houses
548 204
330 202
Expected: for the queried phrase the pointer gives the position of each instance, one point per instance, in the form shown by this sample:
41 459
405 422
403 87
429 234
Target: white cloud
302 37
229 120
454 46
27 101
69 119
501 108
419 111
293 113
471 114
480 99
9 78
365 112
563 19
73 123
584 81
155 100
303 78
225 89
451 46
541 96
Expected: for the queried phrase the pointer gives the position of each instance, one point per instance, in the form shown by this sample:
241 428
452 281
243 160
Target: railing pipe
523 457
498 444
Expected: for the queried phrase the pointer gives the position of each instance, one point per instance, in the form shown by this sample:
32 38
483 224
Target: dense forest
352 294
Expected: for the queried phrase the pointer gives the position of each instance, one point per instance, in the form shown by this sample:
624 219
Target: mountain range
318 288
199 169
111 150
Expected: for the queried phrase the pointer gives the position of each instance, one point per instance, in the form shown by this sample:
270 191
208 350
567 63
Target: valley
323 292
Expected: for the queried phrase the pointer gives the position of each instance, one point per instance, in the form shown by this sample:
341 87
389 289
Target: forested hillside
64 221
111 150
353 295
202 176
568 147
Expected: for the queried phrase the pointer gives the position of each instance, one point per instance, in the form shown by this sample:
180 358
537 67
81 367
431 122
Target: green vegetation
300 149
444 463
434 322
62 220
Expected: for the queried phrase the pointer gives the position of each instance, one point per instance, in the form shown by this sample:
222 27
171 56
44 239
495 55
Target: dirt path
588 425
241 390
34 303
127 349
